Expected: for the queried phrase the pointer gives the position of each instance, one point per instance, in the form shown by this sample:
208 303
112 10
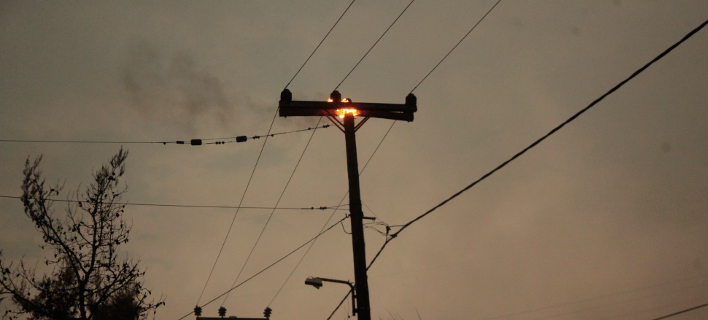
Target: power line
367 162
330 217
273 211
615 294
264 143
243 196
268 267
318 46
306 252
556 128
453 48
372 47
194 142
190 206
680 312
640 70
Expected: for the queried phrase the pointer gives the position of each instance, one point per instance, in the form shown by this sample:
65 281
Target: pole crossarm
392 111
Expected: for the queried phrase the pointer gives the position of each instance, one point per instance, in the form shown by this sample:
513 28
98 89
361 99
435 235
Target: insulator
335 96
411 100
179 142
286 95
196 142
241 138
222 311
197 311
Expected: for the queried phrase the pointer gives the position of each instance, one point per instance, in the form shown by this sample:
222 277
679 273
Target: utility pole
346 110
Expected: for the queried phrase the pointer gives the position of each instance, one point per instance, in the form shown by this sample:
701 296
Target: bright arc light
342 112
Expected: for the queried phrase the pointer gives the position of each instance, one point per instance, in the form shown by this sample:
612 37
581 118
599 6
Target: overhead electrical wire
367 162
330 217
596 298
243 196
188 205
194 142
360 172
615 303
318 46
273 211
453 48
680 312
535 143
576 115
372 47
268 267
264 143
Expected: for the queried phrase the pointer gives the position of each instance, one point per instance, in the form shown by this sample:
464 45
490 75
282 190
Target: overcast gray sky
607 219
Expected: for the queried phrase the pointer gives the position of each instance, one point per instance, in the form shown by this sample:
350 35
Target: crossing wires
268 267
243 196
190 205
273 211
261 152
535 143
458 43
335 209
318 45
375 43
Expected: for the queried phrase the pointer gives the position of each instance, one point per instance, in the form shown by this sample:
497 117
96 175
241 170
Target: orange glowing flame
342 112
330 100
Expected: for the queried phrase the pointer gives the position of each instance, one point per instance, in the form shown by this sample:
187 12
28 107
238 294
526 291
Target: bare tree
90 280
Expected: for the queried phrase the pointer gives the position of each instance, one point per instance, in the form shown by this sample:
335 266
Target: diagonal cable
453 48
372 47
237 210
680 312
266 268
273 211
535 143
318 46
330 217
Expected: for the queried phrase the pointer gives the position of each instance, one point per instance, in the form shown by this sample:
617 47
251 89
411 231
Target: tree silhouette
89 280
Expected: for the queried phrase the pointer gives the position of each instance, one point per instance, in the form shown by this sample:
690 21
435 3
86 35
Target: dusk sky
606 219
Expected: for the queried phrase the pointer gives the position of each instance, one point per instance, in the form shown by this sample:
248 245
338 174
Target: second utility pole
347 110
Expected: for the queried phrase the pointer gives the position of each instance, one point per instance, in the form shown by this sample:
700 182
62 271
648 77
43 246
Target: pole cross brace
392 111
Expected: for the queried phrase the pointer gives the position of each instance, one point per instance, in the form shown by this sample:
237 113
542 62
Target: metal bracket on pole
353 290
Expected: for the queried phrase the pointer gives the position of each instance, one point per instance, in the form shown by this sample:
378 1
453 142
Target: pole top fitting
286 95
411 100
335 96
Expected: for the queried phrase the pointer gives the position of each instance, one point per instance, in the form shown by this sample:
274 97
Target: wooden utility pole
336 109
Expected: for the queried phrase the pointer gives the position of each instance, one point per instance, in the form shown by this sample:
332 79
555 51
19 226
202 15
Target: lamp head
314 281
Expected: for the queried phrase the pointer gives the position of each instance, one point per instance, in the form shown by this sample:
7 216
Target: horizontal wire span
194 206
187 142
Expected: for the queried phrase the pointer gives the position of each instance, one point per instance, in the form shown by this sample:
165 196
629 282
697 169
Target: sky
606 219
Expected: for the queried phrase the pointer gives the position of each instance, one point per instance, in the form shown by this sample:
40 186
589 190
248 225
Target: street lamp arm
351 285
317 283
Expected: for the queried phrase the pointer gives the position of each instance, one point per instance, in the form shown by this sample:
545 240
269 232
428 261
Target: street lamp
317 283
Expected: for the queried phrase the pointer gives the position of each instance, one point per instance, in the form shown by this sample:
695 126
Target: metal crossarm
392 111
